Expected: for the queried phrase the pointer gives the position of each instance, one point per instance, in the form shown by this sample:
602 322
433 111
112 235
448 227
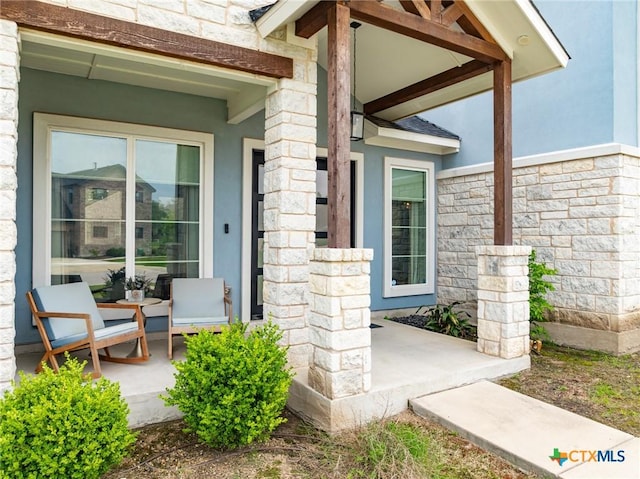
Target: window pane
322 183
167 210
88 195
408 229
322 218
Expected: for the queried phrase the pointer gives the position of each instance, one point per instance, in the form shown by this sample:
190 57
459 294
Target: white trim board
605 149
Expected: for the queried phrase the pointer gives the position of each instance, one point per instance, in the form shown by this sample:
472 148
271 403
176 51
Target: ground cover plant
62 425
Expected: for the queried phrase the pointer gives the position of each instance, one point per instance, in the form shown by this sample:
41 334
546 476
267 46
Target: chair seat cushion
99 334
200 321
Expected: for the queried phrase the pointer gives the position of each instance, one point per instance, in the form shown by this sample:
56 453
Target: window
409 264
144 204
99 193
100 232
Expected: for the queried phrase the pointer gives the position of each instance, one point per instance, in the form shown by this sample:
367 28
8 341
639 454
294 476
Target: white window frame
44 124
389 290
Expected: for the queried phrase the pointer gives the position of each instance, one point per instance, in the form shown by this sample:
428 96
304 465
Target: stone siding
290 206
9 77
581 215
503 301
339 319
225 21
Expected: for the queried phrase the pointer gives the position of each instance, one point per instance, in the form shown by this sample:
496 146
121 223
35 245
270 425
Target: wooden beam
424 87
413 26
436 10
417 7
97 28
339 132
314 20
450 15
502 151
471 25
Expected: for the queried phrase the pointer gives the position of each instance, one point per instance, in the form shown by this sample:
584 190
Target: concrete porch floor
406 363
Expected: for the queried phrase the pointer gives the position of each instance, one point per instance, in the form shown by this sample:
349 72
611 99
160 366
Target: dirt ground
296 450
596 385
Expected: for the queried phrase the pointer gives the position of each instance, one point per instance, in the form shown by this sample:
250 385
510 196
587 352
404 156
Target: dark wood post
338 84
502 154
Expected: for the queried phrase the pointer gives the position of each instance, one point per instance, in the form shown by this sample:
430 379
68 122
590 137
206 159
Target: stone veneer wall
580 211
339 319
9 77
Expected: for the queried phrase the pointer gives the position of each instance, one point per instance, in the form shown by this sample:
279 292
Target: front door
257 224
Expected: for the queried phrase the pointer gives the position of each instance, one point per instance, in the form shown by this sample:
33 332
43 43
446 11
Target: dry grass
596 385
599 386
403 447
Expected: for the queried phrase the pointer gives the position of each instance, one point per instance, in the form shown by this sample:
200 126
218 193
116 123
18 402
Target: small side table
136 352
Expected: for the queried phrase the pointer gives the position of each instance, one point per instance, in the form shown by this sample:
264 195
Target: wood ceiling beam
417 7
413 26
451 15
97 28
429 85
470 23
314 20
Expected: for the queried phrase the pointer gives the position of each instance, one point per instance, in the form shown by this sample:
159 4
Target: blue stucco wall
592 101
67 95
373 235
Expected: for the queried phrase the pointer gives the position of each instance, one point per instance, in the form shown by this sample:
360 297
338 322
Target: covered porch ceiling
397 73
244 92
403 71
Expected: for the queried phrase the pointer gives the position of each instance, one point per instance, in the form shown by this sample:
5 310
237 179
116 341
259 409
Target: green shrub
443 318
62 425
232 386
538 289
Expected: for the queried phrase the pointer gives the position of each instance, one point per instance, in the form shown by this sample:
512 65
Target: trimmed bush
62 425
232 386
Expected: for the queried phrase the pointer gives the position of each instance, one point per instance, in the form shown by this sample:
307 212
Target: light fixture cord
355 34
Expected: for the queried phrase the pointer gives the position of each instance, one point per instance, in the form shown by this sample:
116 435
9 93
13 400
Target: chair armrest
51 314
56 314
133 306
229 305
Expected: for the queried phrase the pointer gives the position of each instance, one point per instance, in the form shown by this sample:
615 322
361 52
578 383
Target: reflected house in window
90 206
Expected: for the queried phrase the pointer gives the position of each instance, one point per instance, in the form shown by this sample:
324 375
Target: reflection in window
89 236
409 263
100 232
408 234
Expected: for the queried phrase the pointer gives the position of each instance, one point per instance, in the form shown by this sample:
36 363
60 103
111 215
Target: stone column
339 321
9 77
503 300
290 208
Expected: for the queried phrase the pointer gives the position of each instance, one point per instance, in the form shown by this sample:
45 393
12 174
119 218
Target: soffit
243 92
387 62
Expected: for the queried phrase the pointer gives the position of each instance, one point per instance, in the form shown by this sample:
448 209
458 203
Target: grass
600 386
597 385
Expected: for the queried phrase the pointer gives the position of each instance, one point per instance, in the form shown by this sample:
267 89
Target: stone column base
503 300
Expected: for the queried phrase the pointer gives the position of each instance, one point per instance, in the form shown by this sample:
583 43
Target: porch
406 363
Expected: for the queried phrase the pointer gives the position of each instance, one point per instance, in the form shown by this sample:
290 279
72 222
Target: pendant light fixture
357 117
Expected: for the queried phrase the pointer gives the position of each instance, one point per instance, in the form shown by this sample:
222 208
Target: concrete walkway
534 435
